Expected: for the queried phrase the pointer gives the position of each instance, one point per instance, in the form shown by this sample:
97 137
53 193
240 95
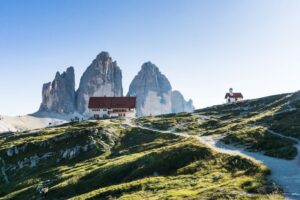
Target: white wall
103 112
232 100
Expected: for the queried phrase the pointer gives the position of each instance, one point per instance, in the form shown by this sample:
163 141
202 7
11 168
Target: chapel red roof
112 102
234 95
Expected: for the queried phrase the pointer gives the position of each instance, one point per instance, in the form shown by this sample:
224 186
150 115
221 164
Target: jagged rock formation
102 78
32 155
179 104
59 95
154 93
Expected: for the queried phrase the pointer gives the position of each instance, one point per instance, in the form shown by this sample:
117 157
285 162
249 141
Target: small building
112 107
232 97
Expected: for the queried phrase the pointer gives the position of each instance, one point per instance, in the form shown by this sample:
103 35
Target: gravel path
285 173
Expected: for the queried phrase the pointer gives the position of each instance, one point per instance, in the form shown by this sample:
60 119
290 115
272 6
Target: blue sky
203 47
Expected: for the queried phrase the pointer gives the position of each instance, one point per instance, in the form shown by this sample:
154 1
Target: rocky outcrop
153 91
102 78
58 96
31 154
179 104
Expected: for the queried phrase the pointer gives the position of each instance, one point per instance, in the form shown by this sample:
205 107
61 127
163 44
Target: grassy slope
127 163
249 124
182 122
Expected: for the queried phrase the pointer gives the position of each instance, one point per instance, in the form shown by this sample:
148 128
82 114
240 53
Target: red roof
112 102
234 95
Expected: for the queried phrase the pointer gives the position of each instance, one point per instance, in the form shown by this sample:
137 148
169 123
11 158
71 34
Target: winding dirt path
285 173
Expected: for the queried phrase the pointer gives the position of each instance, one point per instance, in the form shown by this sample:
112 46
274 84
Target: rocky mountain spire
153 91
179 104
102 78
58 96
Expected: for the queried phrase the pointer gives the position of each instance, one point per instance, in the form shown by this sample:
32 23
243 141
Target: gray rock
59 95
10 152
47 155
16 150
34 161
66 153
179 104
3 170
153 91
85 148
71 152
102 78
20 164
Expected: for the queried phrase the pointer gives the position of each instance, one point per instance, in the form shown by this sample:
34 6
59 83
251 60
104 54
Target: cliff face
58 96
179 104
154 93
102 78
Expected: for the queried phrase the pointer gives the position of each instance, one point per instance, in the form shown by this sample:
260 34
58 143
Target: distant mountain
154 93
59 95
102 78
179 104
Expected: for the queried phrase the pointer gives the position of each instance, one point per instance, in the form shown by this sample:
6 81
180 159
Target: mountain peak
103 56
102 78
149 66
70 72
58 96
